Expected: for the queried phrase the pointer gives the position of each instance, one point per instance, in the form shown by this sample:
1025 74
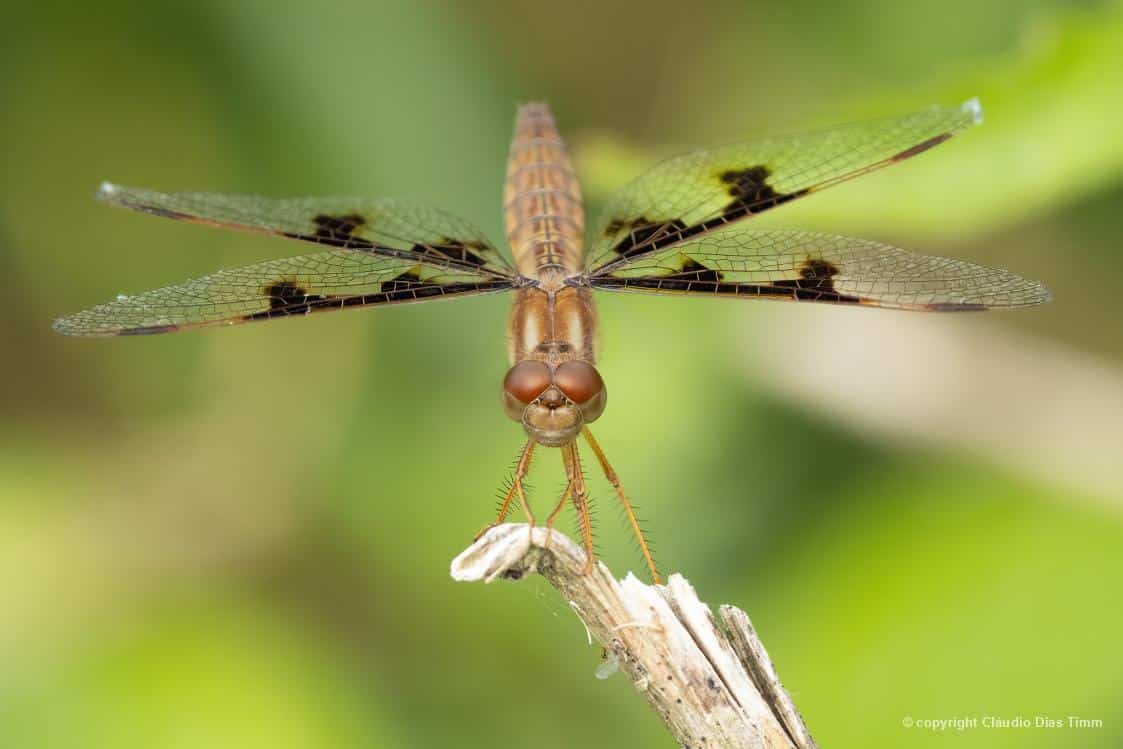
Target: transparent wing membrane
325 281
391 228
812 267
705 191
673 230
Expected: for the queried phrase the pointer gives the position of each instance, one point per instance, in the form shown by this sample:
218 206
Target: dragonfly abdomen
541 199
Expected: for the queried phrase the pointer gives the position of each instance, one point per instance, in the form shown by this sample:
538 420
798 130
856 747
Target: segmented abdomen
541 198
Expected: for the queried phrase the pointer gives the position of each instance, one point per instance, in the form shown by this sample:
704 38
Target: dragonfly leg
516 489
580 496
613 479
566 496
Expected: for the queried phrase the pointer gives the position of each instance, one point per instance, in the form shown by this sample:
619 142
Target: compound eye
526 380
579 380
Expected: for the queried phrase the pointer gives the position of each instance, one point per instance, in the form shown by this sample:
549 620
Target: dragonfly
680 229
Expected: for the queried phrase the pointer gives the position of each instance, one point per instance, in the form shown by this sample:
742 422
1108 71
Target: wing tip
974 108
107 191
73 328
65 326
1033 294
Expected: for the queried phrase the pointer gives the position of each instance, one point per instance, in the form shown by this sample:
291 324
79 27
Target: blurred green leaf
242 538
1049 139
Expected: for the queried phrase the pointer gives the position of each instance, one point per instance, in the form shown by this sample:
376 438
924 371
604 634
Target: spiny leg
516 488
520 474
613 479
566 495
580 497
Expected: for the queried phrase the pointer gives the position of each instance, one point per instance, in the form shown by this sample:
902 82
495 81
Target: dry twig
710 681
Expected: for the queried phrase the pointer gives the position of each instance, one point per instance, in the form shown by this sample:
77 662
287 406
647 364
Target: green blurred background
241 538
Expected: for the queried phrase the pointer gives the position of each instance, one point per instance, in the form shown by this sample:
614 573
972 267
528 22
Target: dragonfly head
553 403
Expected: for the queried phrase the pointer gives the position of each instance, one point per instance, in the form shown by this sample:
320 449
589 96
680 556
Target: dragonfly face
679 229
554 403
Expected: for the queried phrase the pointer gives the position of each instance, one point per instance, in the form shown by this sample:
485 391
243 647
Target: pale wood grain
710 680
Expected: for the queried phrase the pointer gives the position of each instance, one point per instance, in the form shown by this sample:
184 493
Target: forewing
390 228
811 267
705 191
325 281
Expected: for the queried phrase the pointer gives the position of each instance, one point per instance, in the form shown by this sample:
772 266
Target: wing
811 267
334 280
390 228
704 191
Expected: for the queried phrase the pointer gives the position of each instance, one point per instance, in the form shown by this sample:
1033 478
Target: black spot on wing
817 268
692 270
815 284
747 184
287 293
749 194
467 252
780 290
333 227
336 231
409 286
405 287
314 303
339 231
645 235
814 273
614 227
